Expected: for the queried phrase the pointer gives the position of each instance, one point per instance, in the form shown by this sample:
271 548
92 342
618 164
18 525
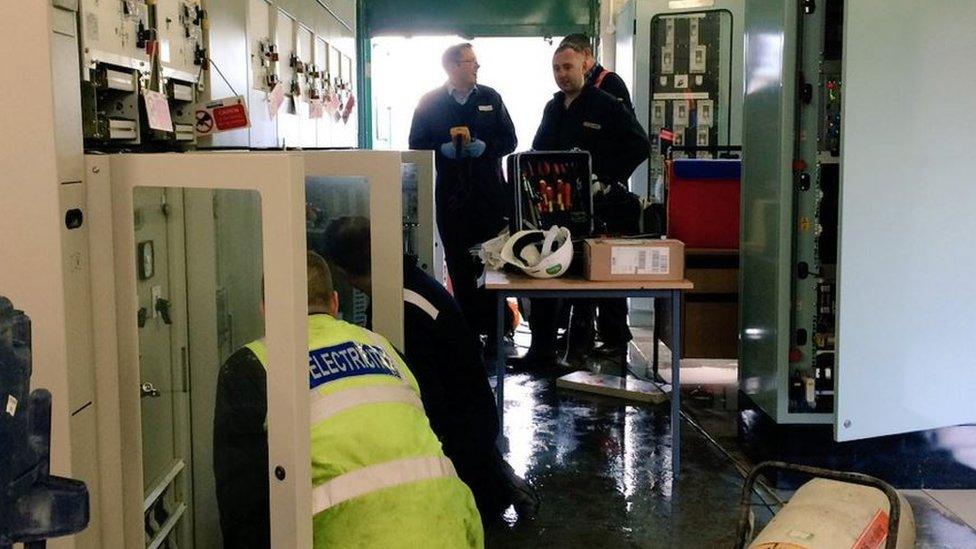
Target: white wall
30 246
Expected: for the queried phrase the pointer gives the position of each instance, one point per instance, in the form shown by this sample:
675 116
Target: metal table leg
500 303
675 382
655 360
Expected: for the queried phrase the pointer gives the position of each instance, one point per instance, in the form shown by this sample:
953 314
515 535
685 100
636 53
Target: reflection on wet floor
602 469
604 474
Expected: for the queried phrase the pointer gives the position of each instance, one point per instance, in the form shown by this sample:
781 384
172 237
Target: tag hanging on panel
316 109
275 99
157 111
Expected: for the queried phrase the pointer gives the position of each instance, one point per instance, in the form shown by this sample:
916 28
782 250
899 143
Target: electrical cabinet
167 341
132 46
184 304
682 62
789 210
844 250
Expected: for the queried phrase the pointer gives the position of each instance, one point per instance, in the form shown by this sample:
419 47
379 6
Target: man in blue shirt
468 127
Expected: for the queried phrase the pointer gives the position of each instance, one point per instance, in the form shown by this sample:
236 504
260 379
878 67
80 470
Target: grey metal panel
907 251
67 95
766 202
228 50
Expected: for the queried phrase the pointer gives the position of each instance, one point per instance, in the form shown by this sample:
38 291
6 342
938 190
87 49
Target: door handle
147 389
162 307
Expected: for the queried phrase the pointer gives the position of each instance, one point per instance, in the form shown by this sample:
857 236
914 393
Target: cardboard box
709 326
634 259
710 312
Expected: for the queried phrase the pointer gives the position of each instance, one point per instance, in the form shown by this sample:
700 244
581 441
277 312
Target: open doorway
404 69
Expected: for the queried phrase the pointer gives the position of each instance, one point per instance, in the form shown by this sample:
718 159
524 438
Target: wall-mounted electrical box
682 62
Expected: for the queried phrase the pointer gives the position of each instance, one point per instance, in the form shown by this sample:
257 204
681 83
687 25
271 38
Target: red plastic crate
703 203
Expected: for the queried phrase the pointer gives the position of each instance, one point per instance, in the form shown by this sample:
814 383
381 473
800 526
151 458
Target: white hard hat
541 254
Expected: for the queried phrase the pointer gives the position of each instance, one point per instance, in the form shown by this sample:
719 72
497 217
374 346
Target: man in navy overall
468 127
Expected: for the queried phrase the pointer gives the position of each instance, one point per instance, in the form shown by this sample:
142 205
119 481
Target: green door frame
364 37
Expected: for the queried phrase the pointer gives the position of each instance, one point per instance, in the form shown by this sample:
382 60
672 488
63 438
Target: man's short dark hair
581 40
346 244
452 55
570 46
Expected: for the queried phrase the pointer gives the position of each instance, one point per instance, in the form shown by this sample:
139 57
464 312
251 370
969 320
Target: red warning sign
230 117
222 115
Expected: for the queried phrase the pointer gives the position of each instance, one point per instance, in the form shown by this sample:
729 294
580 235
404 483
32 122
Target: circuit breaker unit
793 379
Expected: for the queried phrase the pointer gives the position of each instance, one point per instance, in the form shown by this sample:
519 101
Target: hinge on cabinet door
635 27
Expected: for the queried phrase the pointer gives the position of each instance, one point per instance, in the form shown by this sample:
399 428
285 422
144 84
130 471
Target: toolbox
551 188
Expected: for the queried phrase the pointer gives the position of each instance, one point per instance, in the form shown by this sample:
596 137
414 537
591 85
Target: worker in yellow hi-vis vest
379 476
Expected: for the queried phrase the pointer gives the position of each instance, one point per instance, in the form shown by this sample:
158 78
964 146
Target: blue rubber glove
447 149
474 149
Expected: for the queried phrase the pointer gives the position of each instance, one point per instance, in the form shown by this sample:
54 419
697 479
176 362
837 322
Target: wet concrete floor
602 468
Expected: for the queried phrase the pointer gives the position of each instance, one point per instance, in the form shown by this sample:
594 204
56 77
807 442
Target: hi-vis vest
379 475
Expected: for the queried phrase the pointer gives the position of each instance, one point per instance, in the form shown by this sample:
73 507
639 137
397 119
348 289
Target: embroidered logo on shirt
348 359
485 108
592 125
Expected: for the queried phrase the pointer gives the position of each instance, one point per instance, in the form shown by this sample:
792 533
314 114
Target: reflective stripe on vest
325 406
421 303
377 477
599 79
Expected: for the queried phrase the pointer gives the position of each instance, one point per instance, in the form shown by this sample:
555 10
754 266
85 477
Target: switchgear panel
815 204
686 78
182 55
682 62
115 33
115 65
137 53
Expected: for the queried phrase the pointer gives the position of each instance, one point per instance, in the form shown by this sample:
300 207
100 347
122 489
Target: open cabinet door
209 253
907 298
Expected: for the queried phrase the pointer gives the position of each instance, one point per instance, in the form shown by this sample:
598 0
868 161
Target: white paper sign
11 405
275 99
157 111
639 260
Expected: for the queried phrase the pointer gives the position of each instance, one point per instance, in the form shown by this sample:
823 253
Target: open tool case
551 188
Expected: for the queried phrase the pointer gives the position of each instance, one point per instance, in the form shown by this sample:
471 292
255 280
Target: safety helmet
541 254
